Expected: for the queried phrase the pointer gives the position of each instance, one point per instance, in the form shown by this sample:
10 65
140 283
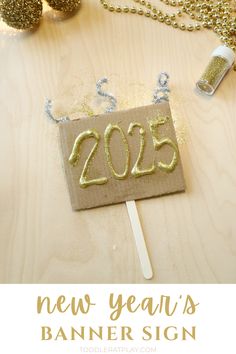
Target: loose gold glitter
129 94
75 154
107 137
21 14
86 109
64 5
137 171
213 74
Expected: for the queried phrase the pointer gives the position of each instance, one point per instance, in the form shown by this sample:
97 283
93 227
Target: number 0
107 137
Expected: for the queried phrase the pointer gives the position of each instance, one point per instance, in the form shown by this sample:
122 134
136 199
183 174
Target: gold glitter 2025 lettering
75 154
107 137
137 171
158 143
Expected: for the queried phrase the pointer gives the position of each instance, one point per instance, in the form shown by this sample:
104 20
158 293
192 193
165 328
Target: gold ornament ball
64 5
21 14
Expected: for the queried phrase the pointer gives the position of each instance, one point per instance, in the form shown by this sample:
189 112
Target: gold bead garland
211 14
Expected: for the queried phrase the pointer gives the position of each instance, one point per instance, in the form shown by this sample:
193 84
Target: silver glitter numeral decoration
161 93
49 114
111 98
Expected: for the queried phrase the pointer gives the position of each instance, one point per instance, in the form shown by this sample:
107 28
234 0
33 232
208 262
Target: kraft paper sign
121 156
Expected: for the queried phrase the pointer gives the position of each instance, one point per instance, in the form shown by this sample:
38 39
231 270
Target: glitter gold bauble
64 5
21 14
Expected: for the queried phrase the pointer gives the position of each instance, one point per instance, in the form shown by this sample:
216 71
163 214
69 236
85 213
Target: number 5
158 143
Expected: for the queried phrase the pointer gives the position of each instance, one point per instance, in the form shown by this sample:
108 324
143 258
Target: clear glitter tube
221 61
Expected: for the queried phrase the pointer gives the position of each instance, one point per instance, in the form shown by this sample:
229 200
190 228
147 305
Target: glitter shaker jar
221 61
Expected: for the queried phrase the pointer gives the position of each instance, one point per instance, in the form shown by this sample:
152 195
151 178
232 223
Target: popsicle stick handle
139 239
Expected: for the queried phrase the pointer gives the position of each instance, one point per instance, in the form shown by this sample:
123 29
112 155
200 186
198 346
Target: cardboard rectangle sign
121 156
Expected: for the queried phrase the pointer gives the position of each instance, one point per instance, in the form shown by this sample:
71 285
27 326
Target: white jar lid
224 52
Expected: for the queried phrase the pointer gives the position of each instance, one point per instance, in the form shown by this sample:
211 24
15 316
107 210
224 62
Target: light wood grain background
191 237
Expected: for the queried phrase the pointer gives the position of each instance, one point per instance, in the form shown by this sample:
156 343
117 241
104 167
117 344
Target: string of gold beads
215 15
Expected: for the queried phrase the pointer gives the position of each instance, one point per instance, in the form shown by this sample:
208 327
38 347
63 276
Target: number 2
75 154
136 170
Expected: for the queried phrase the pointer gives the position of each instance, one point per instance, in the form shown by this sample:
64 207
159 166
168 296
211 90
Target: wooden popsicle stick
139 239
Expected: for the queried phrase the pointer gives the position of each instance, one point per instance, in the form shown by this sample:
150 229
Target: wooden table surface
191 236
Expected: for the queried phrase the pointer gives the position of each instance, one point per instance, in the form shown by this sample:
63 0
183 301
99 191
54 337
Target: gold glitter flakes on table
21 14
176 103
129 95
85 108
64 5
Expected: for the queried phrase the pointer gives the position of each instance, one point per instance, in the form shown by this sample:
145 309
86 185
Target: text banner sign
173 319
